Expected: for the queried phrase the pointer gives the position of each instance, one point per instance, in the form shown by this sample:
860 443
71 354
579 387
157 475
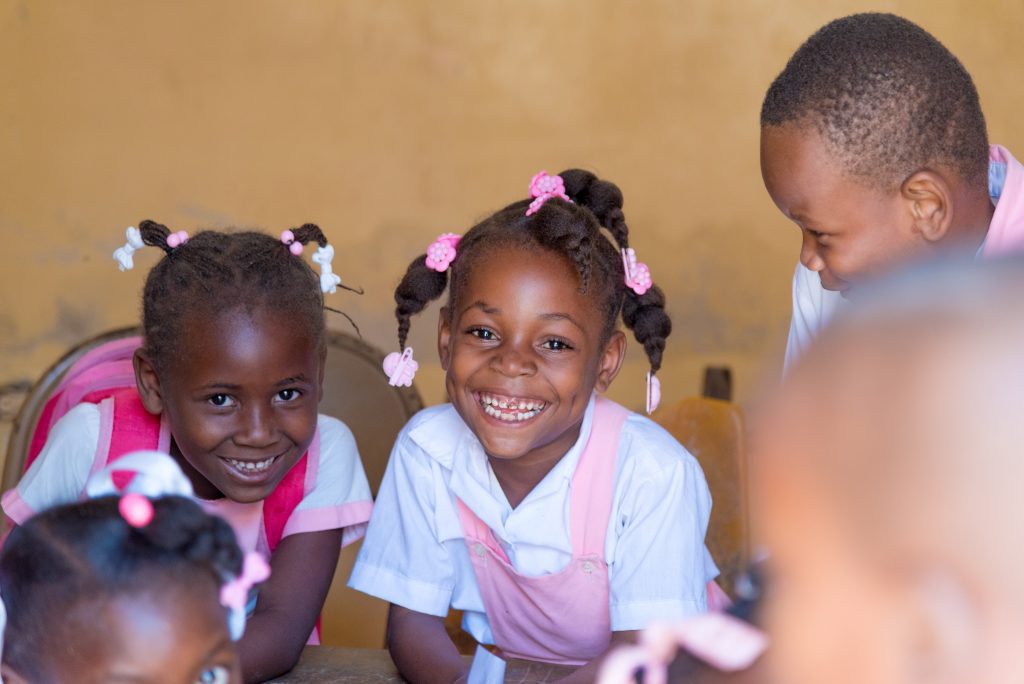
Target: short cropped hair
887 98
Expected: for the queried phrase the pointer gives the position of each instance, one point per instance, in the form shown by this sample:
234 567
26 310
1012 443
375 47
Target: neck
972 221
518 476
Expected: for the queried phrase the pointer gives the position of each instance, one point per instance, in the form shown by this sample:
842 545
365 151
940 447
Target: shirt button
478 549
588 567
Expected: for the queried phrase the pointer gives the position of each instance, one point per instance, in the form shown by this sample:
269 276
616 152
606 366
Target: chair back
712 430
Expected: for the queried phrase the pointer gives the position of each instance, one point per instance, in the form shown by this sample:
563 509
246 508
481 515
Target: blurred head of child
233 355
529 330
873 142
91 597
888 488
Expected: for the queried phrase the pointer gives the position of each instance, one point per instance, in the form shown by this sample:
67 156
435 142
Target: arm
289 603
422 649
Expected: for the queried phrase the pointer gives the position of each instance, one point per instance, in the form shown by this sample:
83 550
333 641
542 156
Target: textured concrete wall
389 122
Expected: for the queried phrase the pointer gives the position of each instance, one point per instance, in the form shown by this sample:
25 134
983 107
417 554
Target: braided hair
86 552
215 271
571 229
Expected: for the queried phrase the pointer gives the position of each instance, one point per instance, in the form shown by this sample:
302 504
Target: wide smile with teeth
510 409
248 467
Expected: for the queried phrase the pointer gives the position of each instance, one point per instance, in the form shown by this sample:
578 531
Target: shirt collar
450 442
996 180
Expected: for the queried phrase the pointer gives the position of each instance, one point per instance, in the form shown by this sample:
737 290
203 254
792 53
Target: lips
510 409
249 470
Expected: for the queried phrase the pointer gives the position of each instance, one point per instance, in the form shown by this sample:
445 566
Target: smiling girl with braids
227 381
556 519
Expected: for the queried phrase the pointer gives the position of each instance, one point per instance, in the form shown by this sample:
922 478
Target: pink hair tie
400 368
234 594
638 275
136 509
542 188
175 240
441 252
288 238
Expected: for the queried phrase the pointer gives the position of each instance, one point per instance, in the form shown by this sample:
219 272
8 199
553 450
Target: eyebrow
292 380
562 317
482 305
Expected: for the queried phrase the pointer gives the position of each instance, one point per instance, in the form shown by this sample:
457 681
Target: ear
928 196
148 382
444 337
611 361
948 640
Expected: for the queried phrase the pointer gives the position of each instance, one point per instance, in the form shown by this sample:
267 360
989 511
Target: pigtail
155 234
180 527
420 286
645 313
309 232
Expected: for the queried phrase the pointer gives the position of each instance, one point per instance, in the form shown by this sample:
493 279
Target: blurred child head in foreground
888 479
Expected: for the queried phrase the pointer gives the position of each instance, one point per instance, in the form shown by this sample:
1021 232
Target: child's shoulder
435 432
652 447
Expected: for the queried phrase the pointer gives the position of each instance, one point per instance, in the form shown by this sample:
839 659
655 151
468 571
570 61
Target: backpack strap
125 426
278 507
95 376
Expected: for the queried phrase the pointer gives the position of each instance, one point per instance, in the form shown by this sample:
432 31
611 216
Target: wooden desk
322 664
329 664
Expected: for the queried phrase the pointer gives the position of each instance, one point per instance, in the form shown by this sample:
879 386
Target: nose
809 256
257 428
513 362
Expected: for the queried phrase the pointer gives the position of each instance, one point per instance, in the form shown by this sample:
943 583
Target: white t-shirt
415 554
339 498
813 308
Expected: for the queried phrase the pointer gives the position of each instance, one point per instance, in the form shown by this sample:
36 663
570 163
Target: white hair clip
156 474
329 280
123 255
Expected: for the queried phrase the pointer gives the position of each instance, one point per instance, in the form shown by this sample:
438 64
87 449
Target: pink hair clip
441 252
400 368
234 594
175 240
638 275
288 238
136 509
653 393
542 188
725 642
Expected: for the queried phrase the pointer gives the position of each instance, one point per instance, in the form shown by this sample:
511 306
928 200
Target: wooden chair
355 391
712 430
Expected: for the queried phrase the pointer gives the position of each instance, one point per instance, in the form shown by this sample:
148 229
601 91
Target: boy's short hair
887 97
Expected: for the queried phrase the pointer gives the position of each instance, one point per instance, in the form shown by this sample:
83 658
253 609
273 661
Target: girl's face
165 636
523 353
241 400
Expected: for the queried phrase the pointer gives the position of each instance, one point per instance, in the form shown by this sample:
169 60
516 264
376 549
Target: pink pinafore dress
563 617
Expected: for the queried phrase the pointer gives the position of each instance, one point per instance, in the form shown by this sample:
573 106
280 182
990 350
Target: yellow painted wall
388 122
